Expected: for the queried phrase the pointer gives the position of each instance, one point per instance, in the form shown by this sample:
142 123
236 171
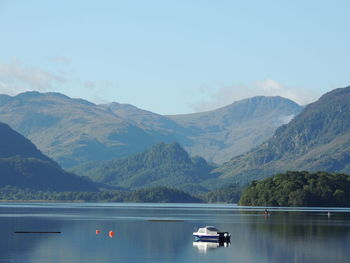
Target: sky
175 56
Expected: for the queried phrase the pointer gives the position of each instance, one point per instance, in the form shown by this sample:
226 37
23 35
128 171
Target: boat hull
206 238
220 237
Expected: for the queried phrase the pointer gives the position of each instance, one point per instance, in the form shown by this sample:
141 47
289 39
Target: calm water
288 235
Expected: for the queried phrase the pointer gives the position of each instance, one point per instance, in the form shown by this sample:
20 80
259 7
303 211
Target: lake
140 235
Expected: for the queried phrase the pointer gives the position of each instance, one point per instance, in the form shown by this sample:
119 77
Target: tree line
317 189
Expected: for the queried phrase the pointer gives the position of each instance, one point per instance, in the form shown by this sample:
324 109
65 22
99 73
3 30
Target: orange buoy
98 232
111 233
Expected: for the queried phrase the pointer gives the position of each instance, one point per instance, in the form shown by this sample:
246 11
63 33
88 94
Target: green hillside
317 139
40 175
220 134
75 131
23 165
14 144
162 165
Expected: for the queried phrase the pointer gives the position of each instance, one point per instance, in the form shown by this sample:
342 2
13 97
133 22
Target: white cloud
227 95
16 78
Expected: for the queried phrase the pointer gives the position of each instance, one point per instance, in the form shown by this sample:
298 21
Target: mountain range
318 139
75 131
101 141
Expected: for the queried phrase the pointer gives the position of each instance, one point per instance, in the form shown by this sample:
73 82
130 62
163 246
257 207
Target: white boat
211 233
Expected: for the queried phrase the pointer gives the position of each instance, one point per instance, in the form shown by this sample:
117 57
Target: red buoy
98 232
111 233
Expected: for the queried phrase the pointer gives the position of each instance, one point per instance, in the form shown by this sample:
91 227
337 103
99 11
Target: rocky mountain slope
318 139
74 131
220 134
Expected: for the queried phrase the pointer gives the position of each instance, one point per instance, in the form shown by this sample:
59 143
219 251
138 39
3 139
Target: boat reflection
203 247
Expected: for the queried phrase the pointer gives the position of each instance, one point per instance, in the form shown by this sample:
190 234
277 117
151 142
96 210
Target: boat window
201 230
213 229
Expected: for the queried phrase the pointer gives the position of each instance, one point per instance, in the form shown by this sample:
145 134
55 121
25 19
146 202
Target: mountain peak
316 139
163 164
168 152
29 95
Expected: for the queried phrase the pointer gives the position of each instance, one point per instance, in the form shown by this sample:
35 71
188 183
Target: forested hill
161 165
300 189
315 140
23 165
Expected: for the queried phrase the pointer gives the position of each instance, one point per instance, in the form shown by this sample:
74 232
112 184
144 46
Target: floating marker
111 233
98 232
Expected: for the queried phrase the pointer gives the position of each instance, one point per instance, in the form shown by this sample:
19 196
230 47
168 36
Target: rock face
74 131
24 166
317 139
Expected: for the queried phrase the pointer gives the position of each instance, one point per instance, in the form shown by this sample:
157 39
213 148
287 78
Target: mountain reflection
286 237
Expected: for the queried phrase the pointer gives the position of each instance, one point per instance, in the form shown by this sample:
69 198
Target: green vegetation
14 144
318 139
40 175
153 195
229 194
318 189
75 131
162 165
23 165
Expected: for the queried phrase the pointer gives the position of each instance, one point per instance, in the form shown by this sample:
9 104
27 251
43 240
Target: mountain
14 144
75 131
142 118
220 134
23 165
162 165
318 139
224 133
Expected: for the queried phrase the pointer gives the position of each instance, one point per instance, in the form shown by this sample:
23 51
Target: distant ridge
220 134
318 139
75 131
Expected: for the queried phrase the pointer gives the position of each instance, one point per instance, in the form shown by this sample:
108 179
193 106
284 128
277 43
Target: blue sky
174 57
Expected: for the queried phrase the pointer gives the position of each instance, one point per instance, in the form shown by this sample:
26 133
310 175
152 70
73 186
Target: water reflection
203 247
284 236
299 237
